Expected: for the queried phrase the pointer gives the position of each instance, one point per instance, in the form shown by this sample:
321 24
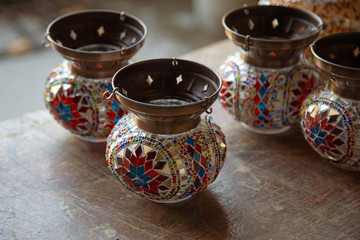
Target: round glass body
165 167
76 103
266 100
331 125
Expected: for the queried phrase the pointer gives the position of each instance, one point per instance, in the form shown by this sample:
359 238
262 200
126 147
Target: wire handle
247 44
107 95
45 42
174 61
206 104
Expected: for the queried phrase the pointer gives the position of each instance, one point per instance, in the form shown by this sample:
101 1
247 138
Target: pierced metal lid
167 96
271 36
338 56
96 42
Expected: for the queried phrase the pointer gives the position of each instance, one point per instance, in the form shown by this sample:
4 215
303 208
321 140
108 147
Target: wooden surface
55 186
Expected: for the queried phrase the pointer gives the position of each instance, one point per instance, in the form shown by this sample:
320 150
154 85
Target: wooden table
55 186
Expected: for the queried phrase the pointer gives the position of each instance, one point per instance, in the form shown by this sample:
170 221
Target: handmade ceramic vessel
266 80
330 116
164 149
95 44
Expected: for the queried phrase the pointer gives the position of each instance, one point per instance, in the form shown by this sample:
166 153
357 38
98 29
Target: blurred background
174 28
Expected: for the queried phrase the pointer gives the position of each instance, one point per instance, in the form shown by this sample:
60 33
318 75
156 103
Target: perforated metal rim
331 67
263 43
85 55
167 119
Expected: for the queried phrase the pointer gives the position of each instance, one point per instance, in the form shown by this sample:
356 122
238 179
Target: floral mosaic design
265 99
165 168
141 170
330 125
76 103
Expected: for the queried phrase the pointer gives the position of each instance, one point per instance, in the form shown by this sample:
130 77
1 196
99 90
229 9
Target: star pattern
318 135
165 168
140 170
327 127
76 103
266 100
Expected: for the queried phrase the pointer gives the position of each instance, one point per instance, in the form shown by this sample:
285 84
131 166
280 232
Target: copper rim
142 85
271 36
338 57
69 34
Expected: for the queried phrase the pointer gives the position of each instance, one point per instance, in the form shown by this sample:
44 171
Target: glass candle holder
330 116
95 44
164 149
266 80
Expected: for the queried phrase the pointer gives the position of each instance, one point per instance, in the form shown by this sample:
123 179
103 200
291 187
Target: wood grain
55 186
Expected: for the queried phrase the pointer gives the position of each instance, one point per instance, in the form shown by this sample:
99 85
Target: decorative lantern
266 80
164 150
330 117
95 44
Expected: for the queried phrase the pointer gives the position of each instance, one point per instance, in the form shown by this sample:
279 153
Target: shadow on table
201 217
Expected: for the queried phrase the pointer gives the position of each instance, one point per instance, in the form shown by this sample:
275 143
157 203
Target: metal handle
174 62
107 95
123 50
122 16
207 104
209 111
45 42
247 44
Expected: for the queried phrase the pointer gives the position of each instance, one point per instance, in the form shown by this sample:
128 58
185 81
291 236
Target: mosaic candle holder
267 79
95 44
164 149
330 116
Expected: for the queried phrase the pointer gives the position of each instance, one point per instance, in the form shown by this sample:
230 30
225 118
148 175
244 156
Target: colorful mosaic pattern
330 125
165 168
76 103
265 99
